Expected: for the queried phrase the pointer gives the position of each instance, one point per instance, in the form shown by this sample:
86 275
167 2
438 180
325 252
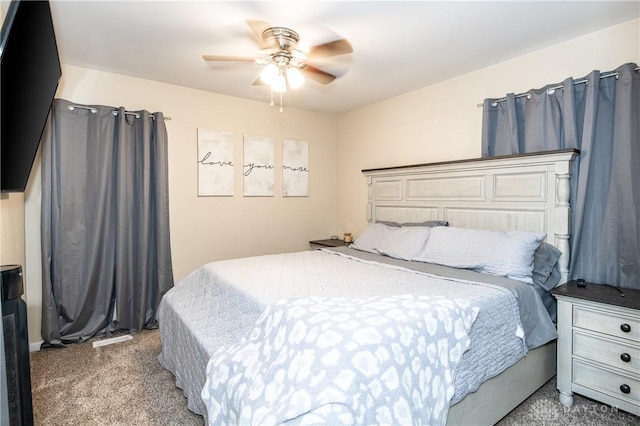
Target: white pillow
405 242
372 237
400 242
505 254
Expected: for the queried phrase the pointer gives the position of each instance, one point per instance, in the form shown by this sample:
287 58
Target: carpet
123 384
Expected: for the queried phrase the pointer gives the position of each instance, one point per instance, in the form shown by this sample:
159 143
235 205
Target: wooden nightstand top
600 293
328 243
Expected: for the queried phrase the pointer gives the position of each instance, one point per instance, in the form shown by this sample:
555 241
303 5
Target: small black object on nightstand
581 283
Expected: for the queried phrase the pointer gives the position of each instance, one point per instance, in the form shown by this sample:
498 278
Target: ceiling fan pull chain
280 101
271 92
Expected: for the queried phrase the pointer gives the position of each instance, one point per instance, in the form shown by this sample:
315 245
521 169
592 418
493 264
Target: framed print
215 163
258 165
295 168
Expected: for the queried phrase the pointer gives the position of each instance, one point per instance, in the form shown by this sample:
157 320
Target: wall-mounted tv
29 74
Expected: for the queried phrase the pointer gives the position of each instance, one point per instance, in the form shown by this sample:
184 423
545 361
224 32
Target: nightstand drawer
607 351
613 324
606 382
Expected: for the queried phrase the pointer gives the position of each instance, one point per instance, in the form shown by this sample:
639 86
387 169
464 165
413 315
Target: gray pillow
429 223
546 272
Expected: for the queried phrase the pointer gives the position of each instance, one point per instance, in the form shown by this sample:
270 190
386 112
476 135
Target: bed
247 339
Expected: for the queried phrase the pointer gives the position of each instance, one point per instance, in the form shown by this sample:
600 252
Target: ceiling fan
285 65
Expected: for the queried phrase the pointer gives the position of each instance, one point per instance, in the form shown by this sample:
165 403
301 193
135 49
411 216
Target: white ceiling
398 46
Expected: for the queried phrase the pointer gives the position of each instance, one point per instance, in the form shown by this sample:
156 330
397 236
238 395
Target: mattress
219 303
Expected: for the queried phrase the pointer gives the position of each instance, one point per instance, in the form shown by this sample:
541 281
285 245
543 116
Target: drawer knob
625 357
625 327
625 389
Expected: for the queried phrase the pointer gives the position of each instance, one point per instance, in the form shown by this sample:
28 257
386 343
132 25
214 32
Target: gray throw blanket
367 360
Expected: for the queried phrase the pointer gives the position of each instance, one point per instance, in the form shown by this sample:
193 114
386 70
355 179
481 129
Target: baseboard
35 346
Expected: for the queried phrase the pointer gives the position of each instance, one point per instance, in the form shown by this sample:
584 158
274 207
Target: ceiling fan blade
227 58
317 75
257 28
332 48
258 82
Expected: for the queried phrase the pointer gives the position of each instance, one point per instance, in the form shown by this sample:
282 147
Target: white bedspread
219 304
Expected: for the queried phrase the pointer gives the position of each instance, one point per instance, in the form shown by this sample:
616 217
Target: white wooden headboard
528 192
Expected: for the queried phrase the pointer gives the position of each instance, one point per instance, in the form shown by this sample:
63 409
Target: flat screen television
30 72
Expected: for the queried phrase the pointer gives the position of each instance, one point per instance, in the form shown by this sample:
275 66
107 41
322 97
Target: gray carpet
123 384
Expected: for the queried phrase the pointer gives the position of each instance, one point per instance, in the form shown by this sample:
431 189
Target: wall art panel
215 163
258 166
295 168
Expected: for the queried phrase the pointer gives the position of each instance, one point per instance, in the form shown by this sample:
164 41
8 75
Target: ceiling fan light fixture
294 77
269 74
279 84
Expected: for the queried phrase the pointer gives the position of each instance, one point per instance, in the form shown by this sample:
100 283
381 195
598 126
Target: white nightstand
599 344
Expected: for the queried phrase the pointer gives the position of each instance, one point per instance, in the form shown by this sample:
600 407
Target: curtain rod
115 112
552 89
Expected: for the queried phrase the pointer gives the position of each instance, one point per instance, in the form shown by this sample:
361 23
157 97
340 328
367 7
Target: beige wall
443 122
208 228
12 229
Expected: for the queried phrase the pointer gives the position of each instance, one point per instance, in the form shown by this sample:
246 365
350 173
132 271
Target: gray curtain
600 116
106 257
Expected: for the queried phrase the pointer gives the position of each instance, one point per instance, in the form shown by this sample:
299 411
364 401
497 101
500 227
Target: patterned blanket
367 360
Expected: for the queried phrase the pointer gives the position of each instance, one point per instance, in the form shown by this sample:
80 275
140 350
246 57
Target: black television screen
29 74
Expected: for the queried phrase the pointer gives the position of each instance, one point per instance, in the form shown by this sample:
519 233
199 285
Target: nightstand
327 243
599 344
